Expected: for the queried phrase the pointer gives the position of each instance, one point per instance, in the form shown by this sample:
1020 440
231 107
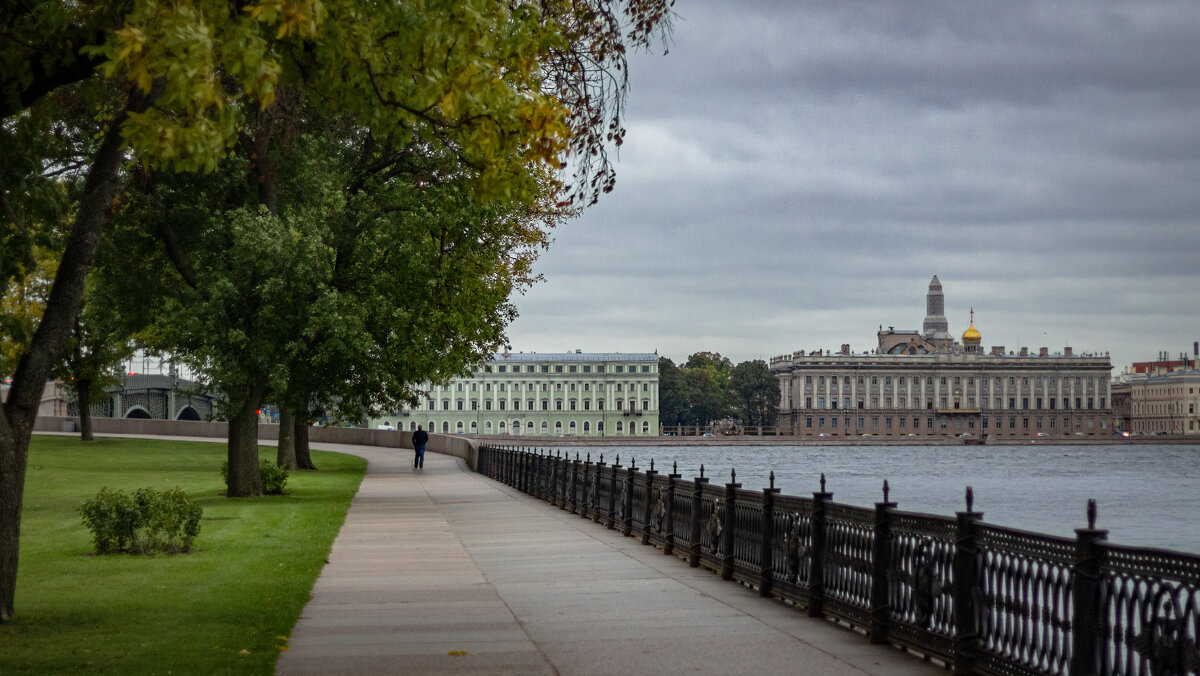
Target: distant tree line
708 387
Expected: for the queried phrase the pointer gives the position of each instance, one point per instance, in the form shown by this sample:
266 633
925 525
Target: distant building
929 384
553 394
1163 396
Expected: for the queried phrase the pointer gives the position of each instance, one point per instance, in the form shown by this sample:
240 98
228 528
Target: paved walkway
443 571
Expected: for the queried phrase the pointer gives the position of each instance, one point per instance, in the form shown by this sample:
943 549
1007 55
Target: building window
487 404
599 404
501 404
645 369
545 405
572 404
807 423
558 404
459 404
445 404
586 369
619 426
474 404
586 425
587 404
516 404
619 402
572 370
500 369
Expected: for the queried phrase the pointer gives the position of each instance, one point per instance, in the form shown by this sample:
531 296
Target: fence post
627 509
697 518
595 500
522 470
966 587
816 553
728 536
881 565
572 494
650 473
767 552
1088 622
587 477
669 520
611 521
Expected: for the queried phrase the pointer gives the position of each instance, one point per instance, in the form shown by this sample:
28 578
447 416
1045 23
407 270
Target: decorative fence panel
978 597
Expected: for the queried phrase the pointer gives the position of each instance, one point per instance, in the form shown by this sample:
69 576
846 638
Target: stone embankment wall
460 447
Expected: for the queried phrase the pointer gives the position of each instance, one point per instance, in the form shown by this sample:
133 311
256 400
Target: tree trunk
285 455
244 481
95 209
303 458
83 397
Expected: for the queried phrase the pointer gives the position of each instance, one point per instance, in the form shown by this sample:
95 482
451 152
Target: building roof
577 356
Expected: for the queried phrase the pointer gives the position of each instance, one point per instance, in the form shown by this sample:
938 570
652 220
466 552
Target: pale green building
548 394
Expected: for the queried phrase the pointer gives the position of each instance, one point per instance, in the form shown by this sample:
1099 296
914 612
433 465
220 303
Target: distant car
1079 434
823 434
708 434
912 435
1042 434
868 435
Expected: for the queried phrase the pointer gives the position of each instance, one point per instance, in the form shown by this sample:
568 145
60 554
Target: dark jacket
420 438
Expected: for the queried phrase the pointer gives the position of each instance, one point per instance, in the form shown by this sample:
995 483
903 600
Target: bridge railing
977 597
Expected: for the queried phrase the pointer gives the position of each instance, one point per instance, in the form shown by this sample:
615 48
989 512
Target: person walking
419 439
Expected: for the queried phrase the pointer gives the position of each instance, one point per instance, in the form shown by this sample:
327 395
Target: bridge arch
139 413
188 413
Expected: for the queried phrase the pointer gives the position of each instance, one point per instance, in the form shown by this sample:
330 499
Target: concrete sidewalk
443 571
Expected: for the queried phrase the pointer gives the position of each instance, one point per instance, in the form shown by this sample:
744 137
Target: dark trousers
419 458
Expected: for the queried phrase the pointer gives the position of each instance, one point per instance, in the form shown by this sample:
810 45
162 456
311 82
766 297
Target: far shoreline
739 440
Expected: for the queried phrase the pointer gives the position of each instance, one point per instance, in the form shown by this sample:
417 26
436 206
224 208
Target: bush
149 521
272 477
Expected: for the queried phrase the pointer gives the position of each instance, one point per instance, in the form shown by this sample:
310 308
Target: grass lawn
225 608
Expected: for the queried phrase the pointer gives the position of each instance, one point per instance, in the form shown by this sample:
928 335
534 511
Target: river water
1146 495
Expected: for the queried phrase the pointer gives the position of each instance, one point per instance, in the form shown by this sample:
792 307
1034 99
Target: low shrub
149 521
273 477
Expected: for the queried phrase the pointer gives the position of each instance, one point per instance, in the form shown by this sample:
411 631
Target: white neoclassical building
543 394
929 384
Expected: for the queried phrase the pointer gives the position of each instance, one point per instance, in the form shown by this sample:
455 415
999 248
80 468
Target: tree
672 401
757 390
508 86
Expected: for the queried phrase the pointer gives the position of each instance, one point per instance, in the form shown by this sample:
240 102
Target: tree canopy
101 100
708 388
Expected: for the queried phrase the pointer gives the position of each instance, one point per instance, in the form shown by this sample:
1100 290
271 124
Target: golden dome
972 335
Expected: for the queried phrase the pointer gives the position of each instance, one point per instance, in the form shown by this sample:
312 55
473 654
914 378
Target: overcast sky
795 173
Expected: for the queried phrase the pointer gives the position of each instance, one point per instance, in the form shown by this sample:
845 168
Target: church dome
972 335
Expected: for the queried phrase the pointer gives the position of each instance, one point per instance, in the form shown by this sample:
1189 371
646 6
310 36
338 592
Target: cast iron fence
980 598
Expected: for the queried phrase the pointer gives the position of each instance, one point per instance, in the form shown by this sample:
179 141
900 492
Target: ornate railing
978 597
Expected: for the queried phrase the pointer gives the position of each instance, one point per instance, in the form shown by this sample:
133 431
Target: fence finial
702 471
885 490
601 458
633 463
772 479
822 482
651 464
970 499
675 467
732 475
618 458
576 456
1091 514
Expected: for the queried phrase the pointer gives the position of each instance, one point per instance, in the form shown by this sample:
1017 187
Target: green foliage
708 388
149 521
273 477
